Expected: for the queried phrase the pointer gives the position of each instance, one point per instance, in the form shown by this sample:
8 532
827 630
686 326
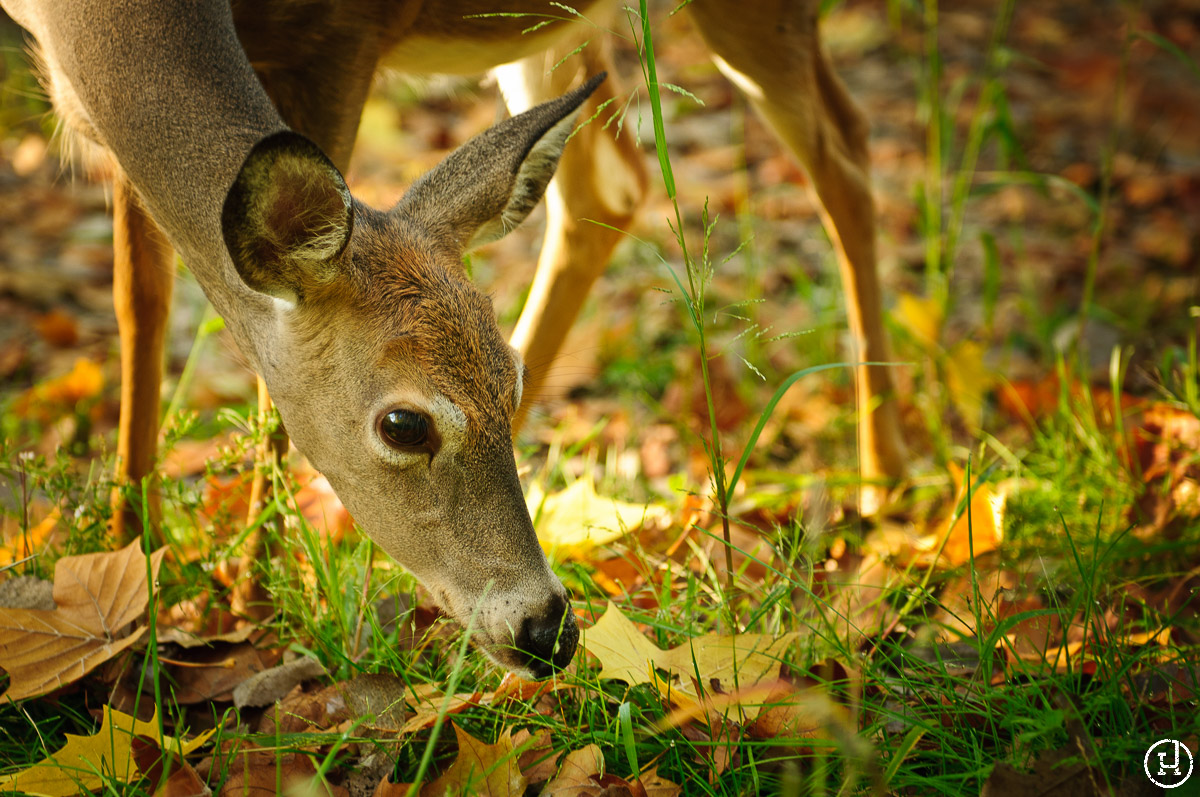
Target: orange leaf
58 328
54 396
978 530
26 544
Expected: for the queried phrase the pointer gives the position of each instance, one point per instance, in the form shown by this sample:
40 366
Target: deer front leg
143 279
771 50
600 184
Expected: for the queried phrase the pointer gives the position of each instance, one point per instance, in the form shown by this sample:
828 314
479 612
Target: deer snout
547 641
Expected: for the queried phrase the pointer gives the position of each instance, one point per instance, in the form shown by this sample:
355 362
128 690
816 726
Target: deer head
389 370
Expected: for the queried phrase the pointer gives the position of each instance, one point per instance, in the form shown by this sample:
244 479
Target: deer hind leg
600 184
143 279
772 51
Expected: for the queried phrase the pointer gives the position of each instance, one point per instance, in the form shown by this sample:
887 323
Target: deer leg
143 278
600 184
772 52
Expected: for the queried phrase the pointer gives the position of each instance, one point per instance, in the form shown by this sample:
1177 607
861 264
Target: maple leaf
479 768
582 775
170 774
77 765
577 520
98 596
575 774
718 663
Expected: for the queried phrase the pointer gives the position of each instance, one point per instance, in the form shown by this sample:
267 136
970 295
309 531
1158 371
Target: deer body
229 125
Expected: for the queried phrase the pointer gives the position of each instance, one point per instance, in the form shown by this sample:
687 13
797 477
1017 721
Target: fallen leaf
264 688
1164 237
1165 445
61 394
428 703
575 774
968 380
573 522
293 771
58 328
77 766
479 768
921 317
209 674
537 761
301 712
170 774
655 785
98 596
25 544
720 664
582 775
977 530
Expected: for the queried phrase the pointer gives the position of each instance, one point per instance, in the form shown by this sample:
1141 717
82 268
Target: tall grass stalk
698 277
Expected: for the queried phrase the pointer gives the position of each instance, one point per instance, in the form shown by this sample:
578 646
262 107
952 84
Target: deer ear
287 217
486 187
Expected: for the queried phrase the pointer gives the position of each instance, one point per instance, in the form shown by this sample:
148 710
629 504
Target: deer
228 127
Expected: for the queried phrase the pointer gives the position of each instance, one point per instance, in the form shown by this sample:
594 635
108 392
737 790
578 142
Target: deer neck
170 93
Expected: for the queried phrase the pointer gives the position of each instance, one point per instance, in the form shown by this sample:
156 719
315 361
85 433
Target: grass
908 711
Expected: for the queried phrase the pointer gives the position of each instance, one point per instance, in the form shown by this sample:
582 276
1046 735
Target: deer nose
548 642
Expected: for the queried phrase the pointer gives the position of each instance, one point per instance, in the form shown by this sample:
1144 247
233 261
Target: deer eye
404 429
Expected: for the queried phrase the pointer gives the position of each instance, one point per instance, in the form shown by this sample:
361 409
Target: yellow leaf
576 520
722 664
968 380
978 532
921 317
98 598
77 765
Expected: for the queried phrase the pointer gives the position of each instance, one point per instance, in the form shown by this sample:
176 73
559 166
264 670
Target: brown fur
184 93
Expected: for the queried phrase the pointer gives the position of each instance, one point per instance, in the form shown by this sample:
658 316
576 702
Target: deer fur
229 125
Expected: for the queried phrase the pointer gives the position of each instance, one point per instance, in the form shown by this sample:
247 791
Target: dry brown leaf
655 785
301 712
98 596
428 705
575 774
264 688
58 328
168 772
582 775
293 771
211 673
489 770
538 762
514 687
719 664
